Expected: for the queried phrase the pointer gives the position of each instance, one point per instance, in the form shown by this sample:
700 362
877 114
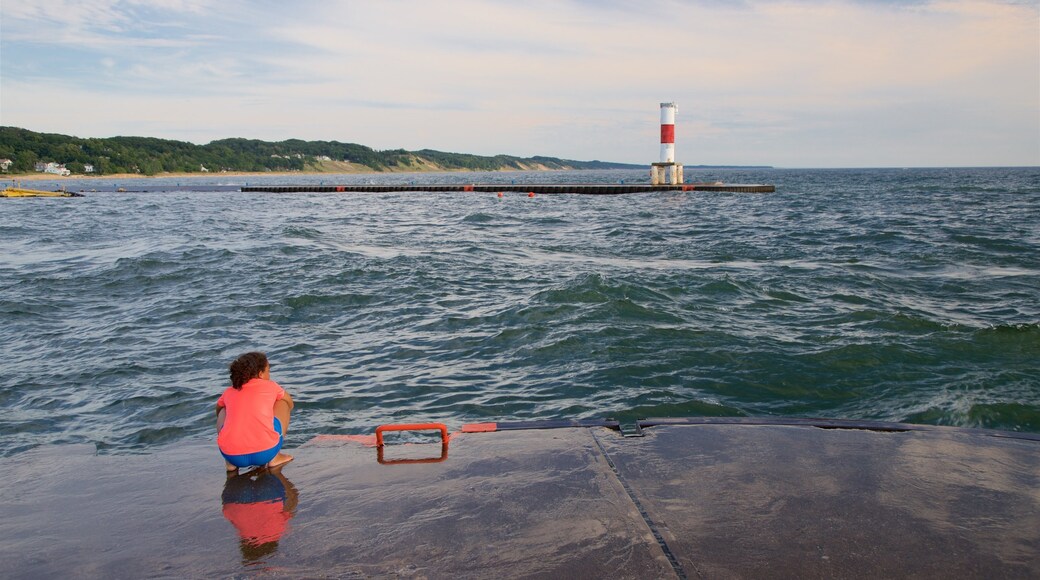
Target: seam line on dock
676 566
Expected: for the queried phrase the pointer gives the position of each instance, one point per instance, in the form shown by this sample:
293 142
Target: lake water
889 294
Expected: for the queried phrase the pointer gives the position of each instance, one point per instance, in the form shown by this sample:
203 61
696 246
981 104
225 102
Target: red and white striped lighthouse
667 171
668 132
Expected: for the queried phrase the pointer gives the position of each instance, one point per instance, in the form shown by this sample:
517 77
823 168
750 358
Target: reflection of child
259 504
253 415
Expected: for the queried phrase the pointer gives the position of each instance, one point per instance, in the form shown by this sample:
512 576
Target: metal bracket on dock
630 429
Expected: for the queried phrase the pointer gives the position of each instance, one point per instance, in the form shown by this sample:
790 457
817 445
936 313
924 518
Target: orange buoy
530 194
500 194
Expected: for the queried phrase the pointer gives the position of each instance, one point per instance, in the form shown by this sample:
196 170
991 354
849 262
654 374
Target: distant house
323 158
88 168
5 164
57 169
203 169
52 168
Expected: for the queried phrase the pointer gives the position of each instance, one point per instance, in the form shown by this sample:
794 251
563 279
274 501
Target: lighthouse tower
667 171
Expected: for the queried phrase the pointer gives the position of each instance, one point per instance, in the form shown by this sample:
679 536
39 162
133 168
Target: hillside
150 156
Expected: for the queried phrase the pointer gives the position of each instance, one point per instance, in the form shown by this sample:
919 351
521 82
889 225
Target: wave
1025 329
1004 416
479 218
301 232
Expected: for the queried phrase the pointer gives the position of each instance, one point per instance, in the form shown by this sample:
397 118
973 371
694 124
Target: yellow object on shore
22 192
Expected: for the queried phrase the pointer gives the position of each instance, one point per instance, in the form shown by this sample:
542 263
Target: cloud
756 82
102 23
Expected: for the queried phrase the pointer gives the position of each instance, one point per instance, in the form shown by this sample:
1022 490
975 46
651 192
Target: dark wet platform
573 188
726 500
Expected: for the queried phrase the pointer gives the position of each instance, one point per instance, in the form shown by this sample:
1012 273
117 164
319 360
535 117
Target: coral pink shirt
249 425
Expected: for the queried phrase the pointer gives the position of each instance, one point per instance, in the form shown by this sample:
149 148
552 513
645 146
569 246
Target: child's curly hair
247 367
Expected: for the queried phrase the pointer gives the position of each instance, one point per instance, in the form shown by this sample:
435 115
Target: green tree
25 161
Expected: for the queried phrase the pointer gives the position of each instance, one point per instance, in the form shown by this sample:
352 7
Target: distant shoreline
188 175
195 174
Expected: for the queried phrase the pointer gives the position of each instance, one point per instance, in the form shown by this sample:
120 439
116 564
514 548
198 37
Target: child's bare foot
230 468
279 460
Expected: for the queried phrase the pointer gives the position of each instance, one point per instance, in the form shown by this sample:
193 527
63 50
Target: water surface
902 295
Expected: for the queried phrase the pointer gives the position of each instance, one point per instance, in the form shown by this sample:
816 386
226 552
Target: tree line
150 156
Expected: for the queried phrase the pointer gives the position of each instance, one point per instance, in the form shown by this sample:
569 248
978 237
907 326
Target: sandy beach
79 177
327 168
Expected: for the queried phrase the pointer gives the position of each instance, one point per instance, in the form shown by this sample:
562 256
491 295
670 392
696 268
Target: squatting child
253 416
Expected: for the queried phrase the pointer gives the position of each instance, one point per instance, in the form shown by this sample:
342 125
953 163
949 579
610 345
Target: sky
788 83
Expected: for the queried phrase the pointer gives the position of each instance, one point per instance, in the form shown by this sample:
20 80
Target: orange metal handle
412 427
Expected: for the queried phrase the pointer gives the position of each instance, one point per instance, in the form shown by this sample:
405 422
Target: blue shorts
260 458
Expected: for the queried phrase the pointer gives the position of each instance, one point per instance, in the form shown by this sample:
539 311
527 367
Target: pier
710 497
573 188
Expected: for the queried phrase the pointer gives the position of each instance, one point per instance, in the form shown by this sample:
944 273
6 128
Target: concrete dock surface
682 501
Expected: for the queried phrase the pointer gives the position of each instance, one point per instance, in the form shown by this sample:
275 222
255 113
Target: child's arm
288 399
221 414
